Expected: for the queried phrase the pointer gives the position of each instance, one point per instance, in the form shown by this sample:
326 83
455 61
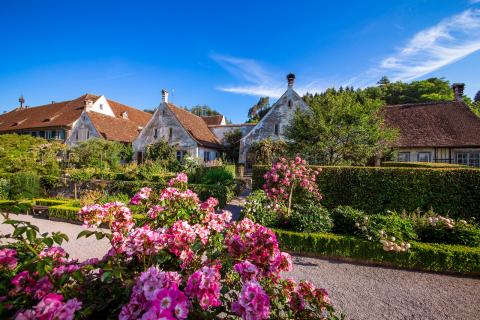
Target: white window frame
404 153
470 158
419 154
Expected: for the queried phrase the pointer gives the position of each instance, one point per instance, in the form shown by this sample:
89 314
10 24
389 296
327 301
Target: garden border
443 258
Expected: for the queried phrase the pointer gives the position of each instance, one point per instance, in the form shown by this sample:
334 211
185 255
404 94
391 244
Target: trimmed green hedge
422 165
453 192
430 257
204 191
51 202
64 212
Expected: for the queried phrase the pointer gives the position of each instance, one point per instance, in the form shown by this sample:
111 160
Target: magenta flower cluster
286 175
143 194
253 302
8 258
197 264
51 307
204 285
156 296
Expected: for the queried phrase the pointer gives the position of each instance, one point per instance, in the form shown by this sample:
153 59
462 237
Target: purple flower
253 302
8 258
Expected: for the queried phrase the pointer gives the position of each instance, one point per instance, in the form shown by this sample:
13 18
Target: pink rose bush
285 177
184 260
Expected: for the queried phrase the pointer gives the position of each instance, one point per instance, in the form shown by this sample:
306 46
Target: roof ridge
420 104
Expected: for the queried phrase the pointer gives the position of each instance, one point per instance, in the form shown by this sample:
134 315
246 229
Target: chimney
88 104
290 79
458 91
164 96
22 101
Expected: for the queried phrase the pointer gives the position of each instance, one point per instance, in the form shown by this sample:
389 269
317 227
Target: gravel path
361 292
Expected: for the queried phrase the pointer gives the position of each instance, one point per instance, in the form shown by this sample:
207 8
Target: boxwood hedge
64 212
453 192
423 256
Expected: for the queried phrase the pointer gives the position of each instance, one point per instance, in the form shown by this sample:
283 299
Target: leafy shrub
90 197
149 169
4 188
24 185
431 257
99 153
460 233
218 175
259 208
81 175
49 182
448 191
388 226
344 219
310 217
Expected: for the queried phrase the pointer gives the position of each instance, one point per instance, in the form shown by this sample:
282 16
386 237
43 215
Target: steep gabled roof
434 124
58 114
114 128
196 127
65 113
213 120
136 116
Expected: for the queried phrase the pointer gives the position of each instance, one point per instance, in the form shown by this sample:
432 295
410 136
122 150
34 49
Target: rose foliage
183 261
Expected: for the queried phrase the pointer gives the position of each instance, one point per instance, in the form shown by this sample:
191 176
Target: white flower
392 238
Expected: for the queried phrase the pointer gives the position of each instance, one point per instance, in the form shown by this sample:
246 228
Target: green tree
476 99
232 142
267 151
433 89
203 110
26 153
259 110
340 128
98 153
161 152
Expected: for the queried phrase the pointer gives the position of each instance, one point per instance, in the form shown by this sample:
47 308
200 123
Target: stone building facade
273 124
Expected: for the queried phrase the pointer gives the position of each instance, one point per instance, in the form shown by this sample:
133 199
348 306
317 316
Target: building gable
164 124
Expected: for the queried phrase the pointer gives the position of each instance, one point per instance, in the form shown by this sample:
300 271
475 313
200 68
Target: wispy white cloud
433 48
428 50
258 80
474 1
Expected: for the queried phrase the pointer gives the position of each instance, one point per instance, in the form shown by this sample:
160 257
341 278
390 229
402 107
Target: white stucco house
72 121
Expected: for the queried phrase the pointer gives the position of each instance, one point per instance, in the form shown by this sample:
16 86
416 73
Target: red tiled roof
63 114
196 127
114 128
213 120
58 114
434 124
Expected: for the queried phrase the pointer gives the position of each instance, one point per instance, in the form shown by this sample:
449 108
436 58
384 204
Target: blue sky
227 53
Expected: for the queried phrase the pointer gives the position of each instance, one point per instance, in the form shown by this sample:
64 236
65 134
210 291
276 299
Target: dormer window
276 129
125 115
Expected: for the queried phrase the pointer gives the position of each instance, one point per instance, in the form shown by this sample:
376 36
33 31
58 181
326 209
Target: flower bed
455 192
423 256
183 261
